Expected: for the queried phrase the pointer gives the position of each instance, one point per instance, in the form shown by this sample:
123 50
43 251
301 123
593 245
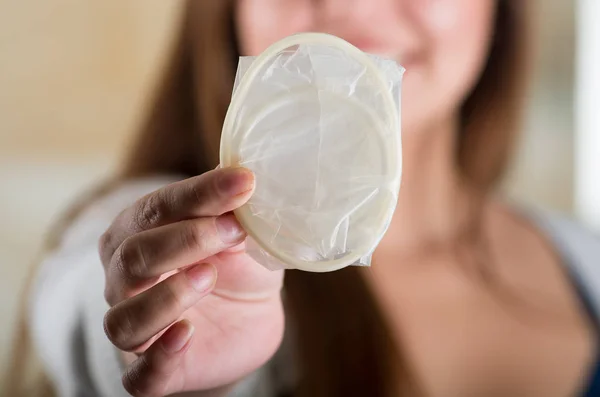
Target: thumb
242 278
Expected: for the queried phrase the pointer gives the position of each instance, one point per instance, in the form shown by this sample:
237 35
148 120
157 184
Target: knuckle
135 380
171 297
150 212
131 260
118 326
109 295
104 245
194 238
129 384
200 191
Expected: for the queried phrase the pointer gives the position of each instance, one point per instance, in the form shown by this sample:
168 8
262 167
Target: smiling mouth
409 58
408 61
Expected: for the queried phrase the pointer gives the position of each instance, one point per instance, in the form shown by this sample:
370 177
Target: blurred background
74 78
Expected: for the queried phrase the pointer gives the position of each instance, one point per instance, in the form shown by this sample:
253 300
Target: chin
416 124
426 116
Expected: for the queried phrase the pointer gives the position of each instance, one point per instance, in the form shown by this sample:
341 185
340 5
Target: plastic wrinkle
318 122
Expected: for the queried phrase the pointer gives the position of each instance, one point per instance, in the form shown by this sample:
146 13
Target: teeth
387 56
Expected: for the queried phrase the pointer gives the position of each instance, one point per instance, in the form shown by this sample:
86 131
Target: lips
408 62
409 59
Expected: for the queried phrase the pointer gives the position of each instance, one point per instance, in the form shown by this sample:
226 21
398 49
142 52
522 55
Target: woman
467 296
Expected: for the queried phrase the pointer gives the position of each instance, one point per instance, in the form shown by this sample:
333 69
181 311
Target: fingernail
176 337
234 181
229 229
202 277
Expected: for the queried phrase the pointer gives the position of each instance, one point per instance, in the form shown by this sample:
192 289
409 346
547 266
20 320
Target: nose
335 10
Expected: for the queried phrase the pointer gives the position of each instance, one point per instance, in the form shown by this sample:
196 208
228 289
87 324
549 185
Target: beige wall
74 73
543 170
74 76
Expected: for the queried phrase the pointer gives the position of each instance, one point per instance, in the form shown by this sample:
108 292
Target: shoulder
578 245
549 251
579 249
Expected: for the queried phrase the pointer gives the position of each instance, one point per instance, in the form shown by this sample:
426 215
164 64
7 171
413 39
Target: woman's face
442 43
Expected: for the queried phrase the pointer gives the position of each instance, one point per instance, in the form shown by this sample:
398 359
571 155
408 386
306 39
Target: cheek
457 35
461 40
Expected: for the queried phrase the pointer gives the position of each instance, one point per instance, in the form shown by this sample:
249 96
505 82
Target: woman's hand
184 296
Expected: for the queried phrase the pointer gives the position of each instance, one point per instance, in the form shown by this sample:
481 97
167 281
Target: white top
67 305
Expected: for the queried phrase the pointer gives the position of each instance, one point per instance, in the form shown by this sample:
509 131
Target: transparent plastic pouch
318 122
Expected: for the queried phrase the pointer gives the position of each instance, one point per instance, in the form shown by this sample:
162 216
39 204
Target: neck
433 203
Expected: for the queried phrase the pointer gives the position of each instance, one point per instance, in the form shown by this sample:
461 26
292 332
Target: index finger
210 194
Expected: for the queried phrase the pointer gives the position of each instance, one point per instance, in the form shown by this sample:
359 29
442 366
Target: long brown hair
344 343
